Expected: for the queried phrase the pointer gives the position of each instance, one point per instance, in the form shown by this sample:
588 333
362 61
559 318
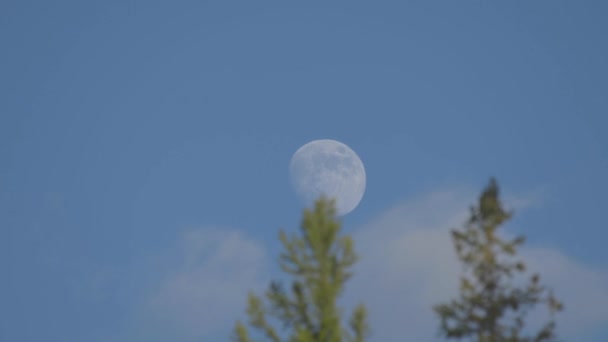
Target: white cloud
408 264
213 272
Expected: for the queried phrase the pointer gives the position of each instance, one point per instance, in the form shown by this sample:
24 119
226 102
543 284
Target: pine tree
490 308
318 261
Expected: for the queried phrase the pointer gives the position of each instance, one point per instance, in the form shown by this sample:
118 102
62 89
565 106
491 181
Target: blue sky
144 152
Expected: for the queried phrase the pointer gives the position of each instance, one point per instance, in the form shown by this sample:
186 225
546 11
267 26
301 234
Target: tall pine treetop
491 307
318 260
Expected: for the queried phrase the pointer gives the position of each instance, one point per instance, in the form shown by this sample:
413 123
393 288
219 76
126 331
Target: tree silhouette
318 261
490 308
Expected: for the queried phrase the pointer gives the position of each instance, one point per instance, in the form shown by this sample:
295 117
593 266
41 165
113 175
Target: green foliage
318 261
490 308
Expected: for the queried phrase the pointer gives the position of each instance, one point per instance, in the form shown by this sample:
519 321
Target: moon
330 168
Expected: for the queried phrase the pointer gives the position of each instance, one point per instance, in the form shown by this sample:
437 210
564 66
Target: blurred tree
318 261
490 308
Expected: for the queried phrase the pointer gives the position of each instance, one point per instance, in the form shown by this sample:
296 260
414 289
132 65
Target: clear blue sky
124 124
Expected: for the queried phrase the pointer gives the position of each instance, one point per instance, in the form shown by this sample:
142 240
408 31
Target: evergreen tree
490 307
318 261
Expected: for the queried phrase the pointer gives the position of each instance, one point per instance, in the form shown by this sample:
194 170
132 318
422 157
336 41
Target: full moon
328 167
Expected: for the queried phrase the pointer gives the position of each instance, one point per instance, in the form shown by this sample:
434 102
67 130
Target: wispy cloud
213 271
583 288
